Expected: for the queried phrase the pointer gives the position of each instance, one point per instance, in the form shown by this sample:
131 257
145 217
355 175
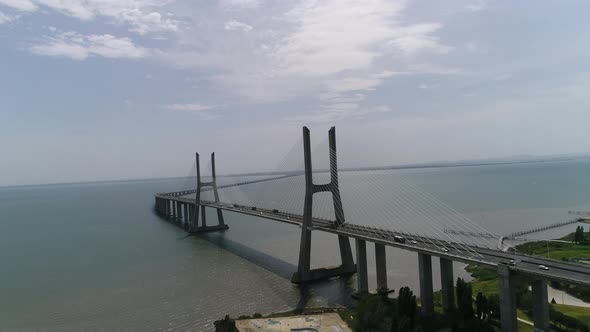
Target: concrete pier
447 285
361 265
426 292
507 299
540 305
381 266
178 212
191 213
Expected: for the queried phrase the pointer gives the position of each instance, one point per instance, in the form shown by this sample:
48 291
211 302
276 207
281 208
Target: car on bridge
399 239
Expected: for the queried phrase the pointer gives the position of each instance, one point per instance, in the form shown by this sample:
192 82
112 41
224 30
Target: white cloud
22 5
333 36
476 6
339 111
233 4
333 50
140 15
237 25
417 38
188 107
425 86
200 109
4 18
79 47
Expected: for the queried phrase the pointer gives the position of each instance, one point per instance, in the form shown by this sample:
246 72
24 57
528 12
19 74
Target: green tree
579 235
374 313
479 305
494 305
225 325
406 304
464 299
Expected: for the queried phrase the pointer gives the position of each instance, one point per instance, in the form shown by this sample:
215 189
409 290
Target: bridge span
183 208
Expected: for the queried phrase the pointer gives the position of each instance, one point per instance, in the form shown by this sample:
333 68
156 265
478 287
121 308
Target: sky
127 89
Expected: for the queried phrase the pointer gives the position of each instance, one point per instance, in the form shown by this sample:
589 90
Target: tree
225 325
579 235
464 299
479 305
494 305
406 304
373 314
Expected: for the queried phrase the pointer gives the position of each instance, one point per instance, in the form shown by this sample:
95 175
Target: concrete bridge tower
304 272
194 226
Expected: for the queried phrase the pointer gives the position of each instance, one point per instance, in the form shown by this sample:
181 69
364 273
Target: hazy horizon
507 160
101 90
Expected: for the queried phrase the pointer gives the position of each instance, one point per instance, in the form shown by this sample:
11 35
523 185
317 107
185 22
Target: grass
523 327
580 313
557 250
486 279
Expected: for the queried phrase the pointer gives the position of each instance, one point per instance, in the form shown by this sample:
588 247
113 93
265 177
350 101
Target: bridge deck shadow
336 292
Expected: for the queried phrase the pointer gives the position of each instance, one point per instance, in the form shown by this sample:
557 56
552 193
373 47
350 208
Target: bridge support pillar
304 273
508 318
426 292
540 305
447 285
186 219
178 212
173 208
381 266
361 265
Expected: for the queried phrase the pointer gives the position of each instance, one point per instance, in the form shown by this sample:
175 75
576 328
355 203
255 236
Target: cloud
339 111
188 107
425 86
333 51
239 4
140 15
476 6
79 47
417 38
22 5
237 25
4 18
200 109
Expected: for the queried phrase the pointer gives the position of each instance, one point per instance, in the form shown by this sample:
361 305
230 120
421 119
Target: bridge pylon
194 227
304 272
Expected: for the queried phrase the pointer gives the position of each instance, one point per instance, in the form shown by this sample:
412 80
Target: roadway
527 265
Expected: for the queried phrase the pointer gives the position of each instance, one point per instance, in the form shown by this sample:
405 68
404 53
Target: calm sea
94 256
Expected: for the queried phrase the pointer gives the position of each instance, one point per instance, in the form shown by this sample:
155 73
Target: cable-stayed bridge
391 213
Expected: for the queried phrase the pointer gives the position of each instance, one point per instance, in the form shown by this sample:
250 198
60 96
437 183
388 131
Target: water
95 256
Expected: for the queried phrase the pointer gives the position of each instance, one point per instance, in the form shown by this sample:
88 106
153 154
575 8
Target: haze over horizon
99 90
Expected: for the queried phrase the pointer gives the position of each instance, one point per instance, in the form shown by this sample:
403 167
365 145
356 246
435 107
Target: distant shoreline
344 169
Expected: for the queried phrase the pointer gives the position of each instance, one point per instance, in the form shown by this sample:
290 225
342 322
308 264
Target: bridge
450 242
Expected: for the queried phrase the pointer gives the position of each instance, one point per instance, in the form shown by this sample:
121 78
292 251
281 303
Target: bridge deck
558 270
